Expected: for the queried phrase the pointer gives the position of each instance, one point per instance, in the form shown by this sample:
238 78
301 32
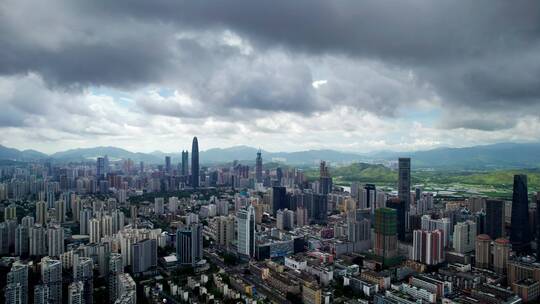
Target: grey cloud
472 54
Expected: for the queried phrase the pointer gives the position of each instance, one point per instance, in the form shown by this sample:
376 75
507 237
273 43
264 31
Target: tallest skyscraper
520 236
195 163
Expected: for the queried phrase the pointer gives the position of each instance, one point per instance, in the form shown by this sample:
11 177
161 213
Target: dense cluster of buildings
69 226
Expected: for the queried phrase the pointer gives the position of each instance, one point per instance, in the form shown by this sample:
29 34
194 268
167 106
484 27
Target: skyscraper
279 199
246 231
144 255
494 218
41 212
258 168
319 209
386 243
168 168
22 240
51 276
325 181
538 225
399 206
520 236
225 233
94 230
195 163
189 245
185 163
38 242
404 182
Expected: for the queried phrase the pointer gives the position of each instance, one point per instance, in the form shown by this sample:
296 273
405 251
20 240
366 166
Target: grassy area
495 183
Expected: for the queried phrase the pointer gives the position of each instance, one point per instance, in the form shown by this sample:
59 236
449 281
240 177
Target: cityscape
270 152
256 232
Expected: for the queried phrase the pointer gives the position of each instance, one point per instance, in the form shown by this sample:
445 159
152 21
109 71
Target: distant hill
489 157
17 155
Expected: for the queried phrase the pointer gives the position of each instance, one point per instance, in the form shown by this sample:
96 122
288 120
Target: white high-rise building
51 276
55 240
428 246
245 219
28 221
22 240
443 224
116 267
159 204
127 290
60 208
285 219
41 294
94 230
464 236
41 212
106 225
84 219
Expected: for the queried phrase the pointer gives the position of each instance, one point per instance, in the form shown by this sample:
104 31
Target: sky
283 75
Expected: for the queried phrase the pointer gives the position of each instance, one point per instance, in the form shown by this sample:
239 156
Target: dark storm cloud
475 55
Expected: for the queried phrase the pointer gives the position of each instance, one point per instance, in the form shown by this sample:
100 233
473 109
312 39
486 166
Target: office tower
258 168
495 218
195 170
428 247
279 199
22 240
386 243
41 212
10 212
189 245
38 241
325 180
159 205
17 284
225 234
41 294
83 271
51 277
279 176
116 267
60 208
538 226
75 293
477 204
245 219
464 236
144 255
501 252
102 167
94 230
55 240
168 167
84 220
519 234
285 219
185 161
483 251
319 209
404 181
398 205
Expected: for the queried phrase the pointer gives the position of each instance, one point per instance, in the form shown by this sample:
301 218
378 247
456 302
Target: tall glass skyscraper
258 168
404 182
185 160
195 163
520 236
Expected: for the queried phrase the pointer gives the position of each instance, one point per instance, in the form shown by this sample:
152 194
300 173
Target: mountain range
496 156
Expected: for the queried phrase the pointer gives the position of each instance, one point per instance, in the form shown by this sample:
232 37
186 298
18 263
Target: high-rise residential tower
51 276
520 236
195 163
17 284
